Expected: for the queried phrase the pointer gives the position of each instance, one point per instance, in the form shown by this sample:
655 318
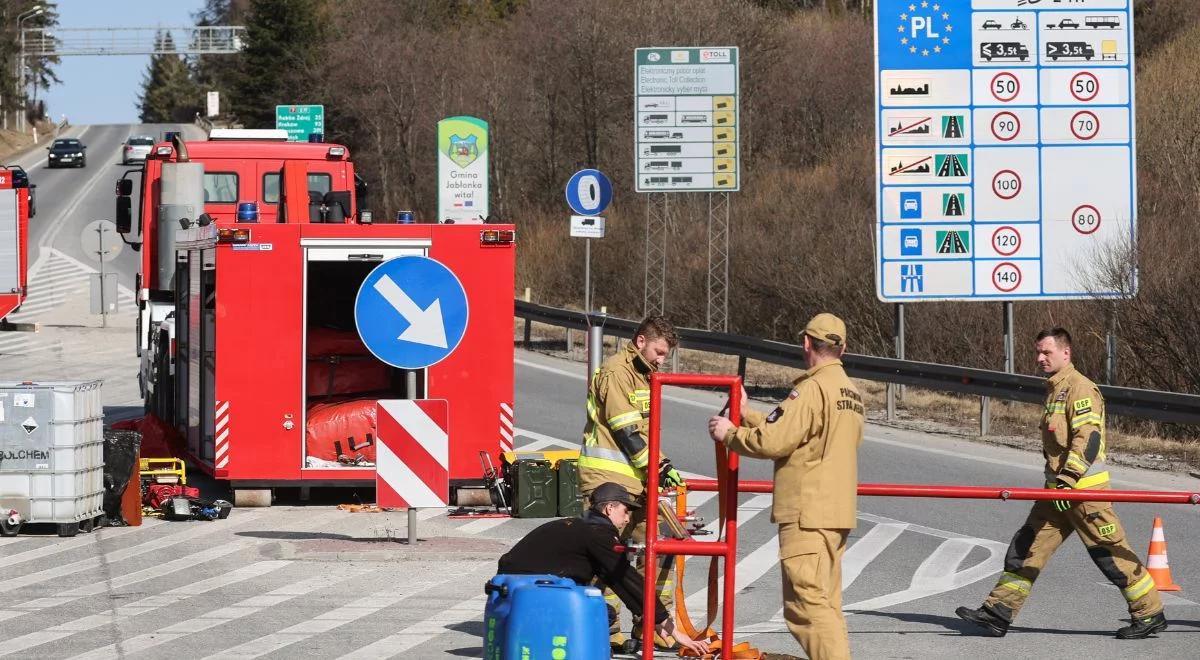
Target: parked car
67 152
136 148
20 179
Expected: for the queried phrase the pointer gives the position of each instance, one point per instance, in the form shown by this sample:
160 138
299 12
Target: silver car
136 148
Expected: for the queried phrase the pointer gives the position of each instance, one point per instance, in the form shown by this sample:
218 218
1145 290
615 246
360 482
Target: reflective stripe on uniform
1088 419
1055 407
610 460
623 420
1076 464
1138 589
606 465
640 459
1015 582
1092 480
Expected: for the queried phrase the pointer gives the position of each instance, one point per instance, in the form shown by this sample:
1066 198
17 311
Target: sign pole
1009 349
410 392
100 256
587 275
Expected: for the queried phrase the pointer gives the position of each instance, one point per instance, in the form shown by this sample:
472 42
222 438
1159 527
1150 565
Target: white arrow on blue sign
589 192
411 312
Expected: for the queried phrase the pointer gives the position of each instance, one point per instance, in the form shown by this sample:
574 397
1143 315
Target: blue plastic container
247 212
544 617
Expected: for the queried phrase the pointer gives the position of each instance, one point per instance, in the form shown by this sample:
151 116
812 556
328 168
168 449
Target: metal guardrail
1153 405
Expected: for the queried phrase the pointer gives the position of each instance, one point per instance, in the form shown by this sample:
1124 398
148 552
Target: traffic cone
1156 561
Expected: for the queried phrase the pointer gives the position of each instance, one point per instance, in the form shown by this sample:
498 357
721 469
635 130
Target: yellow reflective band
1014 582
640 459
624 419
1092 419
1092 480
591 462
1056 407
1138 589
1075 463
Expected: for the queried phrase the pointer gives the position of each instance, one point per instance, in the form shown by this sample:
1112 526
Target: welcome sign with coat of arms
462 170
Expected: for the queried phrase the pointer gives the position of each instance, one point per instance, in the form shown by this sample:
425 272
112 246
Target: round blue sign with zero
411 312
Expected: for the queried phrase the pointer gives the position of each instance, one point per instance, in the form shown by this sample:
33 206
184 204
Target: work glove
1063 505
668 476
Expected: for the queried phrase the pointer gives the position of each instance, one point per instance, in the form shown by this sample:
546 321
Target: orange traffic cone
1156 562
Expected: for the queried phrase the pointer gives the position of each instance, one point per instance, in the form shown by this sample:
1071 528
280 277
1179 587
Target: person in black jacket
582 549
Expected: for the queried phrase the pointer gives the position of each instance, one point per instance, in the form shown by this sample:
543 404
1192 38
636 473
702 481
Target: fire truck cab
253 254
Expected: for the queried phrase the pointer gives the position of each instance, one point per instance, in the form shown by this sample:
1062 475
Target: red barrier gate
727 473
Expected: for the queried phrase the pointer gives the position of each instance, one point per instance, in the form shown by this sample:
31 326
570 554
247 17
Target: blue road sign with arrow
411 312
589 192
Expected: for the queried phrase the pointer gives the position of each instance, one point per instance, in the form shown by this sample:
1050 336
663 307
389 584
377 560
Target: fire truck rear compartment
343 380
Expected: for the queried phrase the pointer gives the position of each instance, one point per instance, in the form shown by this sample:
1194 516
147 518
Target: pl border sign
1005 146
687 120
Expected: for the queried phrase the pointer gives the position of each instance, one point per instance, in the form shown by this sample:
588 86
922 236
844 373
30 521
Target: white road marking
419 633
102 534
221 616
159 570
866 549
139 608
59 572
325 622
482 525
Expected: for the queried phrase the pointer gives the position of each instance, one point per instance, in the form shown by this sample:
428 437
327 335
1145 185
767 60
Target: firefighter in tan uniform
813 437
614 445
1073 443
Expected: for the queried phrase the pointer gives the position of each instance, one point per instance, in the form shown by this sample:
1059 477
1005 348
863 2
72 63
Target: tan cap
827 328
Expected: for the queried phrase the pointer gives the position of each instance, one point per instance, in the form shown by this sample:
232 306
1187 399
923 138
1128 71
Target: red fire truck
14 243
253 252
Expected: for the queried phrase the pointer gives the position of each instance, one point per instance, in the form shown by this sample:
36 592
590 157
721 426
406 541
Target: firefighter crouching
615 450
582 549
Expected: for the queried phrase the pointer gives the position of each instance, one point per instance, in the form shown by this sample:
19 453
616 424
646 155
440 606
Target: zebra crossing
56 278
223 590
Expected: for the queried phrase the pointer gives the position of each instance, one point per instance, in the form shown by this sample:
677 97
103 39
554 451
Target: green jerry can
570 501
536 488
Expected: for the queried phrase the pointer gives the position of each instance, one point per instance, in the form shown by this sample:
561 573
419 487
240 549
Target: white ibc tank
52 450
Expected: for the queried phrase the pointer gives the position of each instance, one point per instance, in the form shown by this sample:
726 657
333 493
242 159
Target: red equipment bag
339 364
342 431
156 494
339 375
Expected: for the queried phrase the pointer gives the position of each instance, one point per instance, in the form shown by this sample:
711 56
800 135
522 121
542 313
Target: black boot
983 617
1143 627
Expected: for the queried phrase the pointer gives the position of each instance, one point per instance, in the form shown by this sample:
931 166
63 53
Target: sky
104 89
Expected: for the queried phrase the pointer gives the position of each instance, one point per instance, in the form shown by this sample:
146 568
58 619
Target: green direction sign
300 121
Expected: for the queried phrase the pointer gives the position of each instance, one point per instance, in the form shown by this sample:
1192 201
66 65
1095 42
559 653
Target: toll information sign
686 119
1005 148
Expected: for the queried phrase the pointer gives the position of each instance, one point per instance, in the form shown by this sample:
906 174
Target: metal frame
658 213
1144 404
187 40
718 262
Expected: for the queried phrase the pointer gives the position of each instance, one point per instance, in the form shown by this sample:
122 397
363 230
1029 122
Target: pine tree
283 39
168 92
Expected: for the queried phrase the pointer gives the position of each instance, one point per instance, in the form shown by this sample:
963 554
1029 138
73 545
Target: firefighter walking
614 445
1073 442
813 436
